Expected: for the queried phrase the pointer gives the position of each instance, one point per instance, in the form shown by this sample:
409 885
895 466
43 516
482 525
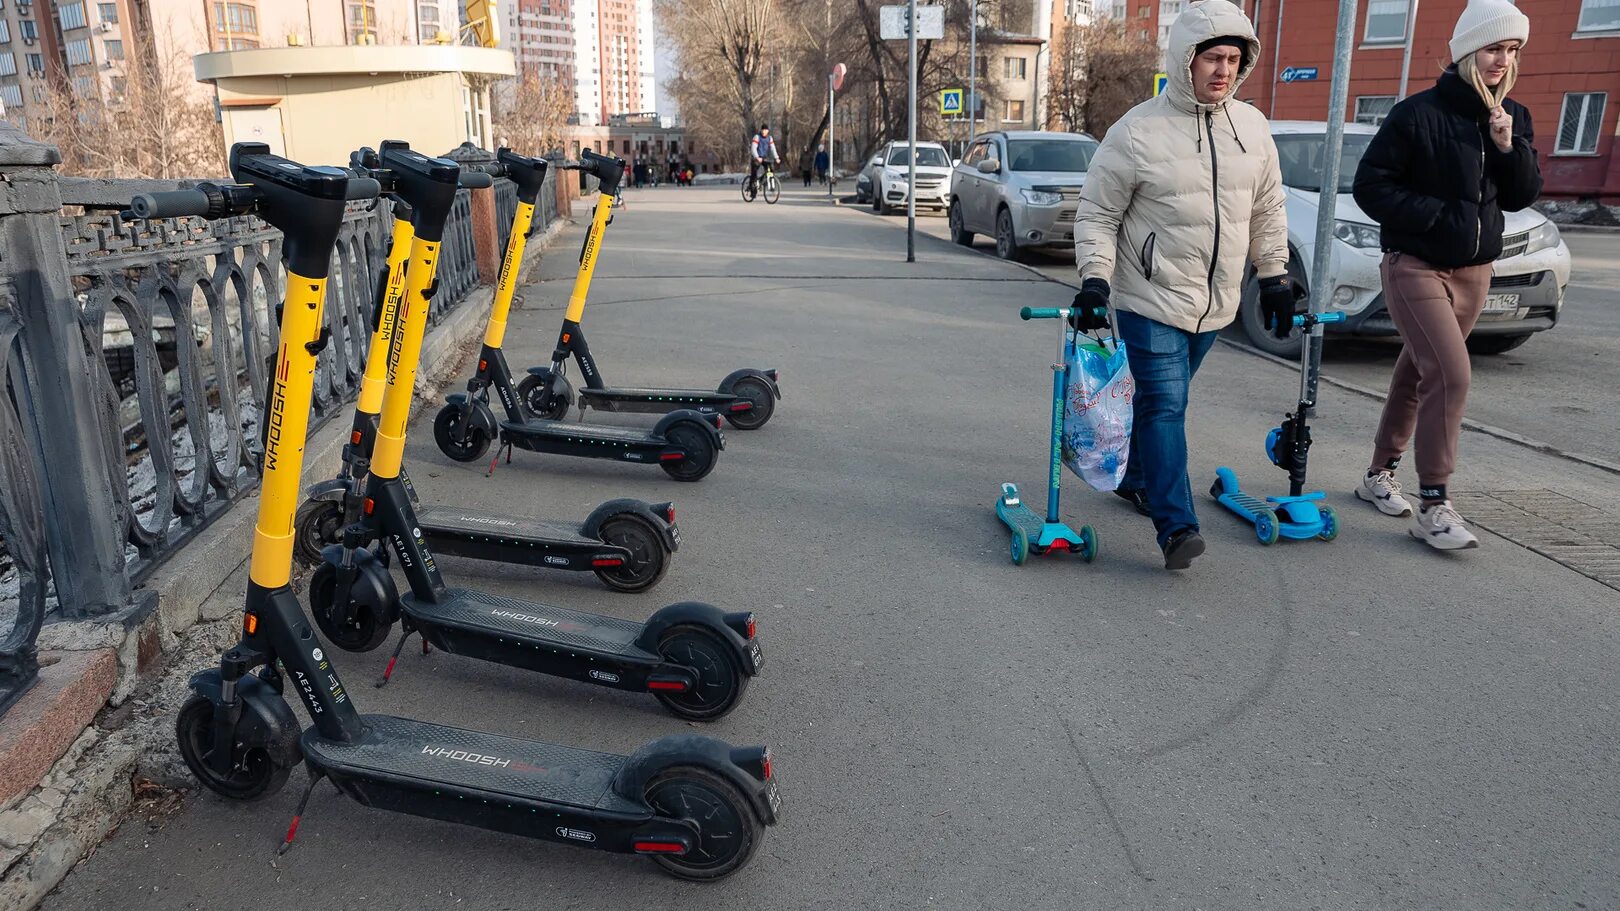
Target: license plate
773 798
1501 303
755 655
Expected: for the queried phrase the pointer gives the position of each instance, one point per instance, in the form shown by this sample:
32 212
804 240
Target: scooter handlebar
1042 313
474 180
1301 320
362 188
171 204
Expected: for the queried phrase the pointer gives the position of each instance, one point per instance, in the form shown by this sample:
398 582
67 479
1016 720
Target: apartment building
614 65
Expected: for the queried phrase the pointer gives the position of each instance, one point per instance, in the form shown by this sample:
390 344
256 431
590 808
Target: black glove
1280 297
1090 308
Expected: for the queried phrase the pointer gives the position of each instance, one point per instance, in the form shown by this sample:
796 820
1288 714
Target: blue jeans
1163 360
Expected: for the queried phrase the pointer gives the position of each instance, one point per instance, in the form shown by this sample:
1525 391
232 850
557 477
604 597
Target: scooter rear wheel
757 393
532 393
467 445
320 522
1020 547
729 832
257 769
366 628
649 559
721 682
1267 527
701 453
1088 547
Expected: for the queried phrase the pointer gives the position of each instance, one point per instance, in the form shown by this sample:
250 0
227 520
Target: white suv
883 181
1527 281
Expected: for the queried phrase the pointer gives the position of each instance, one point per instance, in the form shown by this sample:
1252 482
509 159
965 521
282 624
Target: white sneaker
1442 528
1384 492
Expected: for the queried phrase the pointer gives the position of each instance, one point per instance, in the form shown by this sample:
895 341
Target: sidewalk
1361 724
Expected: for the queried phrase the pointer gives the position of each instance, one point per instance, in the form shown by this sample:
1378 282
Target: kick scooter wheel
1088 546
1266 526
1020 547
1330 523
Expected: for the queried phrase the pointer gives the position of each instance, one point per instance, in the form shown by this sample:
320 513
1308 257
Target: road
1561 387
1365 724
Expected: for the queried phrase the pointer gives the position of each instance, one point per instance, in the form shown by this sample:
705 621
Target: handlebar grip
1040 313
362 188
474 180
1333 316
170 204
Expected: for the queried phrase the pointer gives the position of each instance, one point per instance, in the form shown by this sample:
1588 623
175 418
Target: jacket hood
1197 24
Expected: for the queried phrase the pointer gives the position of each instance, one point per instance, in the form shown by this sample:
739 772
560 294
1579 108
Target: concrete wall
323 118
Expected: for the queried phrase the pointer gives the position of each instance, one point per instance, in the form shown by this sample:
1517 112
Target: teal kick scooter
1299 516
1030 533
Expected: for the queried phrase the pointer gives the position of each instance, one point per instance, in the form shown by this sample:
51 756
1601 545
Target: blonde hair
1493 97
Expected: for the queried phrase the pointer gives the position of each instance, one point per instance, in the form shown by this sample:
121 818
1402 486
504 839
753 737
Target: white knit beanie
1485 22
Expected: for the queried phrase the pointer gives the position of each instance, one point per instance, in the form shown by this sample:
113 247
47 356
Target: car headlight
1042 197
1543 237
1356 234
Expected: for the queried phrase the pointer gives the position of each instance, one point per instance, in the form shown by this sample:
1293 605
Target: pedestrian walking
1437 177
1183 194
806 165
821 163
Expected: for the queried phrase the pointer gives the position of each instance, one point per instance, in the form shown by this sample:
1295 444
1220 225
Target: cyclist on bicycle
761 147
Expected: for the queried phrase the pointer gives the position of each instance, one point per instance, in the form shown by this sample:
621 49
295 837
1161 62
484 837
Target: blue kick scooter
1029 532
1299 516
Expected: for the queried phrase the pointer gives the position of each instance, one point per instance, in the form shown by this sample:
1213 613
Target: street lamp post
1321 263
1406 56
911 133
973 70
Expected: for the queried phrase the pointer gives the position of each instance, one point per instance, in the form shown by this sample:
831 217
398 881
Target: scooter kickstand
507 448
298 814
389 671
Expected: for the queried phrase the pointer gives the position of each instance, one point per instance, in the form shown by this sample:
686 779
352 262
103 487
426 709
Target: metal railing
136 356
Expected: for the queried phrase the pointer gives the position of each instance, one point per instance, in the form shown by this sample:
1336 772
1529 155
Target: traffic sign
950 101
1159 80
1299 74
892 22
838 77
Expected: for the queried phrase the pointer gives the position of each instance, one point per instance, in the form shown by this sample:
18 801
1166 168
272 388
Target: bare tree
724 47
531 116
1099 71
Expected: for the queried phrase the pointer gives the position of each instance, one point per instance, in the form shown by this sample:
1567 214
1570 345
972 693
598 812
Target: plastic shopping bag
1097 412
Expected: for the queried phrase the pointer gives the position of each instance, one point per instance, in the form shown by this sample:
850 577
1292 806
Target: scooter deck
433 757
444 521
1021 517
627 398
496 617
569 432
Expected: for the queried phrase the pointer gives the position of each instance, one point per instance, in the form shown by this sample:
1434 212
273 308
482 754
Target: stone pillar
485 222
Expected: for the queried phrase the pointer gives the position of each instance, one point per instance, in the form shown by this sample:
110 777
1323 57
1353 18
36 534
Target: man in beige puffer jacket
1183 194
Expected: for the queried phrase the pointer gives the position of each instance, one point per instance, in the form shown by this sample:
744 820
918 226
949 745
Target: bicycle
766 184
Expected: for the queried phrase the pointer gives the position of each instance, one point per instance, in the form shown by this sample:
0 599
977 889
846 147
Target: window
1014 112
979 152
1071 155
36 63
84 86
107 11
5 32
983 66
115 49
11 95
1580 122
1014 67
78 52
1299 158
927 157
30 31
1373 108
1599 16
8 64
428 12
1386 22
235 19
72 15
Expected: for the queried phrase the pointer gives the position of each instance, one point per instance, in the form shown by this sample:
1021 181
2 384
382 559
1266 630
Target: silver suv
1021 188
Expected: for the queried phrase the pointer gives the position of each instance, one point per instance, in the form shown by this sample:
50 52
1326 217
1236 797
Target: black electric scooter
685 443
626 542
697 805
695 659
747 397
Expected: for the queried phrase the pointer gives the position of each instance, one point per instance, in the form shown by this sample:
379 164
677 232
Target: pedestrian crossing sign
1159 79
950 101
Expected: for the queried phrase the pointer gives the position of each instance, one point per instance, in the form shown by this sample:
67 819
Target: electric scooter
747 397
685 443
693 658
1299 516
626 542
1030 532
697 805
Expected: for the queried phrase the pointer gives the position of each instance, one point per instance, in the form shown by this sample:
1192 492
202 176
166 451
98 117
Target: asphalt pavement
1358 724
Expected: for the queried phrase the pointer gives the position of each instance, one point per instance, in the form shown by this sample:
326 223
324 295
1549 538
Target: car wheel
1495 344
1250 318
1007 238
959 232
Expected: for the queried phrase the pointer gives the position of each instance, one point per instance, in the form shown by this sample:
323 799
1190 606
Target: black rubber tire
319 523
773 190
365 630
531 395
721 680
261 769
446 427
649 555
729 831
877 203
1495 344
960 235
748 191
1007 239
758 392
695 439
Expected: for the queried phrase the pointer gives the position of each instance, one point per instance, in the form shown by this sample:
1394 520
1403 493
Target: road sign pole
1328 198
1406 55
973 73
832 146
911 134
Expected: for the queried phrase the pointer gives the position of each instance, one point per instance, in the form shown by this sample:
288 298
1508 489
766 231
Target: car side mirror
990 166
876 160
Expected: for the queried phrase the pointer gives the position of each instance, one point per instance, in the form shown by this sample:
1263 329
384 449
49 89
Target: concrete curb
88 789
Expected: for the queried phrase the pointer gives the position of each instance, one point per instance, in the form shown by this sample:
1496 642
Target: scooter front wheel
728 830
1088 546
320 522
721 682
1267 527
364 630
757 393
1330 523
464 444
649 559
700 452
257 769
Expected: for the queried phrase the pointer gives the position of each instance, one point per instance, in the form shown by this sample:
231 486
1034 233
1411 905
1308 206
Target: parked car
1527 285
884 180
1021 188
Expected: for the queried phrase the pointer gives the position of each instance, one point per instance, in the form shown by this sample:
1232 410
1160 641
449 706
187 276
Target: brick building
1569 72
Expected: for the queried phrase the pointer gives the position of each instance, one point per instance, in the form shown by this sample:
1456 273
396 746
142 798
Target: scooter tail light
670 456
607 561
742 623
660 847
765 765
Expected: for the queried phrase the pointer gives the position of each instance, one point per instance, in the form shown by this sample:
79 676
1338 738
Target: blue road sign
1299 74
1159 82
950 101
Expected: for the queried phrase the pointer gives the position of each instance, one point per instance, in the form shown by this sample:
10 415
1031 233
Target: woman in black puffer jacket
1436 178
